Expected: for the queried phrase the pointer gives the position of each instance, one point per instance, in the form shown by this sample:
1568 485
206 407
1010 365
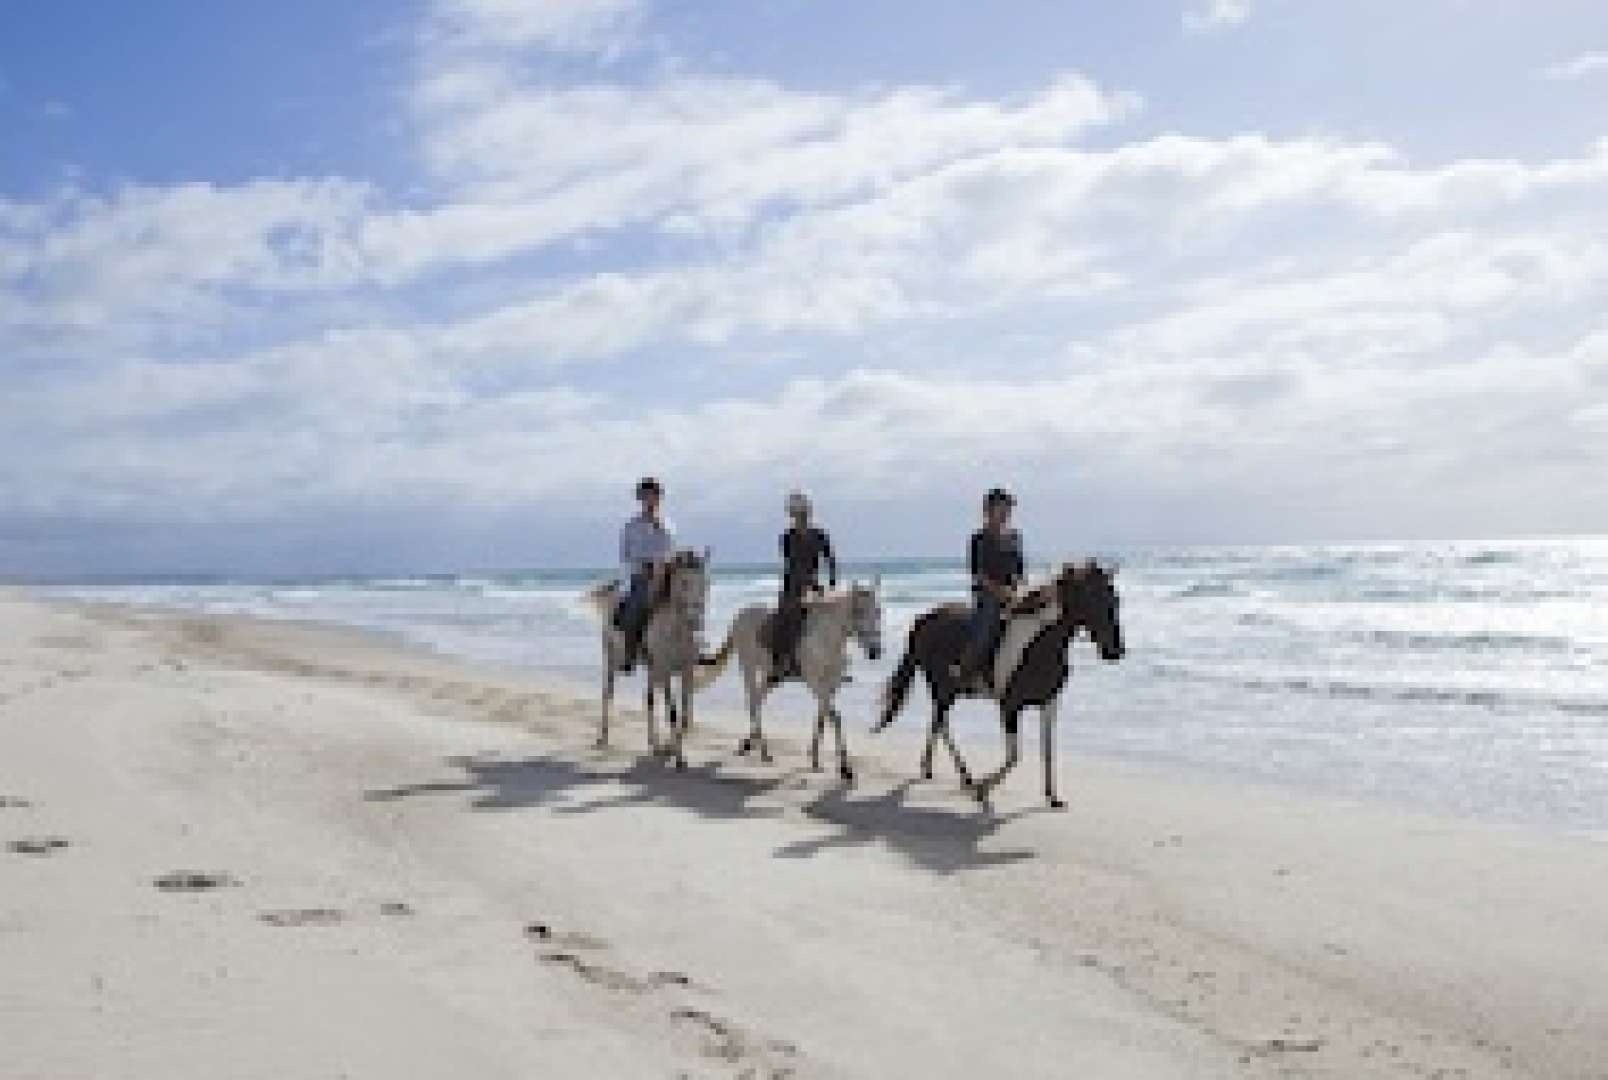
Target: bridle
686 604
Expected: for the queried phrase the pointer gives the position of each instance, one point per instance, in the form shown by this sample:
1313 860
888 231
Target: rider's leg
634 617
980 632
785 629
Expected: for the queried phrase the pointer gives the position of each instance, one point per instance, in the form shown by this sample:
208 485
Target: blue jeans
633 610
983 627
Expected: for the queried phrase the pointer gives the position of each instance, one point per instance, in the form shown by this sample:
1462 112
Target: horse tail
602 597
898 688
710 667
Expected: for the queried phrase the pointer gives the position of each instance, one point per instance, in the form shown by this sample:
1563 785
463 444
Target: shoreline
1167 925
982 737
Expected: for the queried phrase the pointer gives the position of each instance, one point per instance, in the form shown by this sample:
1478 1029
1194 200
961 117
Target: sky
374 286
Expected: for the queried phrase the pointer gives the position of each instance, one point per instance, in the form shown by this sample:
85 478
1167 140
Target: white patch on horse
1020 633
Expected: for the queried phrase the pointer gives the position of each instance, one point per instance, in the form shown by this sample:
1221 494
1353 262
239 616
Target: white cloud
1578 67
563 26
143 258
1306 328
1216 15
527 165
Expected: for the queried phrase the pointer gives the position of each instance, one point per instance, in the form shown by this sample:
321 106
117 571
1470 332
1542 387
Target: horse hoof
846 775
926 774
1057 804
743 748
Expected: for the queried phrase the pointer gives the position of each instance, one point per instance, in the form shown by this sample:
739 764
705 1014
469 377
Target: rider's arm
974 561
831 559
627 562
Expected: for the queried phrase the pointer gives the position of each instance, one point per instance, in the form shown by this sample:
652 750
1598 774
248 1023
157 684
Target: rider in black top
804 548
996 567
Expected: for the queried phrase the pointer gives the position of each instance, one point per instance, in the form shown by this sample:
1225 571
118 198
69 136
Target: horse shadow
557 785
940 840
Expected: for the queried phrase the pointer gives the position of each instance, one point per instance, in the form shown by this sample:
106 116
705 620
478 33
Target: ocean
1462 678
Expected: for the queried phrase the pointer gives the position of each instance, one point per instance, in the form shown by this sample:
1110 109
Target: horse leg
653 722
1047 715
1013 752
815 740
954 753
845 770
680 731
939 712
684 710
608 699
754 691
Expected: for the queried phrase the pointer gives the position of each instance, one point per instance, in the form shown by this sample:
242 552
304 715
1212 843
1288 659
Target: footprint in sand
13 802
596 974
722 1039
194 881
725 1041
37 845
1290 1045
303 917
572 939
395 907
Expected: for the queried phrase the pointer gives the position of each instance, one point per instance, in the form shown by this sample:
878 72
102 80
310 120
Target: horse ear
876 582
709 554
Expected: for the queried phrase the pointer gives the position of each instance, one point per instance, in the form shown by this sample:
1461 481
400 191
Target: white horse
671 645
823 661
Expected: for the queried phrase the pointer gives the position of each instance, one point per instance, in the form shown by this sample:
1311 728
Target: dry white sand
427 872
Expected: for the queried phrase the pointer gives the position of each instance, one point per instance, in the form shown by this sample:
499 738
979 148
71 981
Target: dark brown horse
1030 668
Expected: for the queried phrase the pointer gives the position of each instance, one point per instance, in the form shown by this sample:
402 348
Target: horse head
687 587
1088 597
865 618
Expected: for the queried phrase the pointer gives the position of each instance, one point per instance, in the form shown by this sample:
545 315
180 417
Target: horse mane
1041 596
682 559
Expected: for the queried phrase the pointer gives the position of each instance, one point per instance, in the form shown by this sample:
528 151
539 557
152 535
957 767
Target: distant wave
1208 588
1441 640
1347 688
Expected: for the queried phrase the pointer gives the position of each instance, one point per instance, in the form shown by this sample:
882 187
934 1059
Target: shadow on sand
943 840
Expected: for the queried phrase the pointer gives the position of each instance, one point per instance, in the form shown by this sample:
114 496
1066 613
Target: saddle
617 620
980 683
767 637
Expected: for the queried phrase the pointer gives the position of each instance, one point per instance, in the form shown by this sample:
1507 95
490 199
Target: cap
999 495
649 483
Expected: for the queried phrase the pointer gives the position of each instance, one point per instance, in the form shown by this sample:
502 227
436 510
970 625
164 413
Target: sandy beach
235 849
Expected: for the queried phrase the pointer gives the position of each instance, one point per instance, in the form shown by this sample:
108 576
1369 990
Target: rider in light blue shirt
646 542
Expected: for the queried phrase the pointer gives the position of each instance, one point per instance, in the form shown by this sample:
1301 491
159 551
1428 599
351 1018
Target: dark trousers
632 616
982 630
786 628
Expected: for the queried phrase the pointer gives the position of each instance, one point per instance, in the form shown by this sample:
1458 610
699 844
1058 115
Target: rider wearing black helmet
646 541
996 567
